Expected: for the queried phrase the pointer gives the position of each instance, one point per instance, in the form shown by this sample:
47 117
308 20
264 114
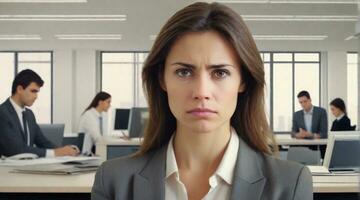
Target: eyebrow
34 90
214 66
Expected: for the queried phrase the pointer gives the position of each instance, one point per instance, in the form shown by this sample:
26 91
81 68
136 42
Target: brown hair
339 103
249 119
101 96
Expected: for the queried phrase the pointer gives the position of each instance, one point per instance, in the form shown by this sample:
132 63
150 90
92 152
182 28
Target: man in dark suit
311 122
19 132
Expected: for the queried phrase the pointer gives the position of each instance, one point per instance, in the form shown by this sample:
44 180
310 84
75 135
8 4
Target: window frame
16 67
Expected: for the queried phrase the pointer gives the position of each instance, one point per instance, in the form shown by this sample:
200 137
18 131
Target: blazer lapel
314 120
150 182
15 119
302 120
248 181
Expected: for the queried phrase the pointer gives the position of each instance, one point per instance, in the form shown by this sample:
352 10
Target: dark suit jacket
257 176
12 138
319 122
341 125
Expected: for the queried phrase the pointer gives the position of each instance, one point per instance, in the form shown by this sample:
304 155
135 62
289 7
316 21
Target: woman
207 135
338 109
91 122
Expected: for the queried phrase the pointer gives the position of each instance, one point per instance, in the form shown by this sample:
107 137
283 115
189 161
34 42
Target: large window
286 74
352 87
40 62
121 77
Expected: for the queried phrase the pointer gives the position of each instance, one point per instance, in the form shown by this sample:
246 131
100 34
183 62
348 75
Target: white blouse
220 182
90 125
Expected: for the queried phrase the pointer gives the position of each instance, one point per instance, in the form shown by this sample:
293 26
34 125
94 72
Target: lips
202 112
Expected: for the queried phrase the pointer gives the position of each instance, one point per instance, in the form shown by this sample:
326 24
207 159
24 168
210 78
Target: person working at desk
311 122
91 121
342 121
207 136
19 132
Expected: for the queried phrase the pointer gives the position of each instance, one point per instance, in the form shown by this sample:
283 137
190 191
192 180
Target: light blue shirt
308 119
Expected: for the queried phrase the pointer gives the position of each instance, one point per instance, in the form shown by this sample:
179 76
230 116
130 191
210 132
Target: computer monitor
121 120
53 132
342 151
138 120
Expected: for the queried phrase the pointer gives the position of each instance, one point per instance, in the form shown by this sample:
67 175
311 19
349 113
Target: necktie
101 125
25 127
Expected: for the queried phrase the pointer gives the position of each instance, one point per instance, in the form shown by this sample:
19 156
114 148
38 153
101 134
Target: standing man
311 122
19 132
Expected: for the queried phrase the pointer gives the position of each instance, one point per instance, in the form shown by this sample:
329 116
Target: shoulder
4 110
127 164
285 175
298 113
117 173
282 166
4 106
319 109
346 118
89 114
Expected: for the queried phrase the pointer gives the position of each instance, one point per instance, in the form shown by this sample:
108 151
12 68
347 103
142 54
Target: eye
183 72
221 73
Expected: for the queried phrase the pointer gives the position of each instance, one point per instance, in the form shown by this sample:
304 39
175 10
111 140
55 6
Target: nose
202 87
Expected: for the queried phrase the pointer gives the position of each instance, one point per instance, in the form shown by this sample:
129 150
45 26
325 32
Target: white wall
74 85
63 88
336 79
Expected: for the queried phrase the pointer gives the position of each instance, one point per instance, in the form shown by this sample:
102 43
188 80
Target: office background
80 47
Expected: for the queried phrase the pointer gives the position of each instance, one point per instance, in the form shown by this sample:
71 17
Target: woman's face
202 79
105 105
335 111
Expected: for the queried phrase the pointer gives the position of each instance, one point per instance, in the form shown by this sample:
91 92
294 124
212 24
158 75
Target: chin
202 127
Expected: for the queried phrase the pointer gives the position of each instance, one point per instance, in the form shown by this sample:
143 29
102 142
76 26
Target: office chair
77 141
353 128
304 155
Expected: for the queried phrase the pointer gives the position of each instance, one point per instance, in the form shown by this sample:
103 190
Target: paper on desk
336 179
318 170
62 159
54 169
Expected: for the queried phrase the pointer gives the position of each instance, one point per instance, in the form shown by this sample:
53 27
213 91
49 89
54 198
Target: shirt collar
96 113
171 164
228 162
310 112
341 116
226 167
17 108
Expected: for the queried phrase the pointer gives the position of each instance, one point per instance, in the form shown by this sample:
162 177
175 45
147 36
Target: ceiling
131 23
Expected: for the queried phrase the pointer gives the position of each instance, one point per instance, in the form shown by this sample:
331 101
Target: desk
44 187
336 184
16 182
286 139
57 186
112 147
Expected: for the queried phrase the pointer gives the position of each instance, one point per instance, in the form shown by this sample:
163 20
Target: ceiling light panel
350 18
43 1
88 37
289 1
290 37
20 37
62 17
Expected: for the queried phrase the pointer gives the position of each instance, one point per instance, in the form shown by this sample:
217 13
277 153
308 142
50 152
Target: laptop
342 151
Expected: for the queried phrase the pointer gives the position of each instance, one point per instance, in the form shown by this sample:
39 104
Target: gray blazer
257 176
319 123
12 138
